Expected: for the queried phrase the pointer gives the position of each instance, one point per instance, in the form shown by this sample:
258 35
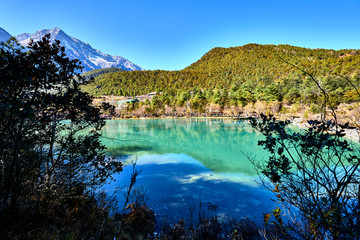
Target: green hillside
97 72
257 61
245 74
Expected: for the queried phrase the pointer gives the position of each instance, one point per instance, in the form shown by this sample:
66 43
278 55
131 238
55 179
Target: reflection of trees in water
217 143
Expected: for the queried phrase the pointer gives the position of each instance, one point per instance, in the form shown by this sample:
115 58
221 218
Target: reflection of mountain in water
218 144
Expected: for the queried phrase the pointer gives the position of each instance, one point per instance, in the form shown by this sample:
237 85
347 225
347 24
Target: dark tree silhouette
314 175
50 154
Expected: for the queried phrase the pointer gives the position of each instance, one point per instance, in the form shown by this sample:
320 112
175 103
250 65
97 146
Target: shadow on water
175 183
119 151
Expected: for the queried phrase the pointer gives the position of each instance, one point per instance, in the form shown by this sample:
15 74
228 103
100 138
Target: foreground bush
314 175
51 158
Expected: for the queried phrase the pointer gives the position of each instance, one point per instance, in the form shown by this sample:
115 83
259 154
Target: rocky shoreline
353 134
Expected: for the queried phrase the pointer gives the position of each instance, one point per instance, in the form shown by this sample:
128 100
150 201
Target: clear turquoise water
187 161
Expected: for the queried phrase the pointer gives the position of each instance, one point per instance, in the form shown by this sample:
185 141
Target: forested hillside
97 72
246 74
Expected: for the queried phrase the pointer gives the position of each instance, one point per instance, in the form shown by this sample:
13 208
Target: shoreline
352 134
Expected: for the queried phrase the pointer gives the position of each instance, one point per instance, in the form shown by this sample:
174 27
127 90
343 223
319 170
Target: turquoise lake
188 161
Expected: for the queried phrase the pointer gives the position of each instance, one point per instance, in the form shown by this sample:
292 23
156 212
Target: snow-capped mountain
4 35
75 49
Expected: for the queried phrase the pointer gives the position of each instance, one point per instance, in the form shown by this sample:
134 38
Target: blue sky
172 34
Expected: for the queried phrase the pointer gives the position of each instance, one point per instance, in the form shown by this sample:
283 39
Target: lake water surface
188 161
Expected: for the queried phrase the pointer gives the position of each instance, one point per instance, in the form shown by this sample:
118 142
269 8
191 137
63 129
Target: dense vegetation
98 72
314 175
51 157
241 75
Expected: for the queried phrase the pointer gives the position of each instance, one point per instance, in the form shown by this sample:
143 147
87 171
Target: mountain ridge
76 49
4 35
252 66
90 58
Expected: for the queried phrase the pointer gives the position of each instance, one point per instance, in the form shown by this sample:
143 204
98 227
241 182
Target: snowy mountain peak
4 35
56 29
76 49
24 38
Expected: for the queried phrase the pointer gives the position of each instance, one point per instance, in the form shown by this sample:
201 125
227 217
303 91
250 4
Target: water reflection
185 161
219 145
177 182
